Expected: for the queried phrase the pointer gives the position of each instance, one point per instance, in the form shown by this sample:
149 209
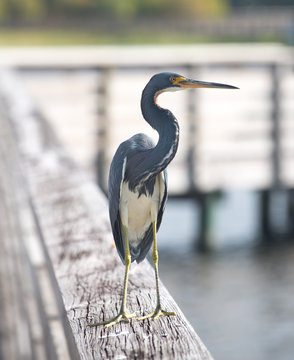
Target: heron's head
167 81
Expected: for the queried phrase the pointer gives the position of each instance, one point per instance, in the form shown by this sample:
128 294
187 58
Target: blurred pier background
227 236
229 141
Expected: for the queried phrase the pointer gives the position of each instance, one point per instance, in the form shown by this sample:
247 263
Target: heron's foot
121 316
157 313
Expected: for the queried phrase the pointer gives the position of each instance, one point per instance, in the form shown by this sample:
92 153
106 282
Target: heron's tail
139 252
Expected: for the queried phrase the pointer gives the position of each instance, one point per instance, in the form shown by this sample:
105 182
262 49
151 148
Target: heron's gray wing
116 176
123 168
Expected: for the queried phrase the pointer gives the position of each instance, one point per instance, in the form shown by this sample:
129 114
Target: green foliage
241 3
33 8
164 7
120 8
60 37
27 9
200 8
15 10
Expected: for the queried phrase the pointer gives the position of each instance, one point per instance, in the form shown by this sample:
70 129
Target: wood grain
71 218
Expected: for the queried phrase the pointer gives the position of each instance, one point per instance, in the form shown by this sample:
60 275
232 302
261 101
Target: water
234 221
240 303
239 299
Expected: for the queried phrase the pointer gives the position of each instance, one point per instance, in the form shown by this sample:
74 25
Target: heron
137 186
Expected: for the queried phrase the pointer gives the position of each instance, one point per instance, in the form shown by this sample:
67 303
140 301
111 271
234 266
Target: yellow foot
122 316
157 312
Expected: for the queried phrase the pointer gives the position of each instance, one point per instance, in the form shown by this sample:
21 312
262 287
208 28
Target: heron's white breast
137 213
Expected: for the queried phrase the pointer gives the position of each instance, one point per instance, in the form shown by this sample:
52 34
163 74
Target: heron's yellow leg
122 315
158 309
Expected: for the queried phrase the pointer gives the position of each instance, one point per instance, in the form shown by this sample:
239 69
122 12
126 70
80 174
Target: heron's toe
122 316
157 313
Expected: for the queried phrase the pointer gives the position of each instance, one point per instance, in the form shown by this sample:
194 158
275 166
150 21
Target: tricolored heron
138 183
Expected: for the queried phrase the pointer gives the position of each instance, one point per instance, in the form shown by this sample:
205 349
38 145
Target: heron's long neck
164 122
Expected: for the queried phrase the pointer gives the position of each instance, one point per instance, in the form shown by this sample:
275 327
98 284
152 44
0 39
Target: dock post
267 234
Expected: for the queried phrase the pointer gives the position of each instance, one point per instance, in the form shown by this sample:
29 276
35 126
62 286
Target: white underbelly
138 213
139 216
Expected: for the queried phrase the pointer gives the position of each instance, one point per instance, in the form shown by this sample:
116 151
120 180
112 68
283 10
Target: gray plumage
133 149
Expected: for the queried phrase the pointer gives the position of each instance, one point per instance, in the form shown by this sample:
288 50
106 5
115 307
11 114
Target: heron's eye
172 79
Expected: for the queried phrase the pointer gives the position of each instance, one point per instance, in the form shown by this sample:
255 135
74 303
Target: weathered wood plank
30 326
19 323
71 215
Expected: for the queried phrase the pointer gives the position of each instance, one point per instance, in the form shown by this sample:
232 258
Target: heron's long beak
188 83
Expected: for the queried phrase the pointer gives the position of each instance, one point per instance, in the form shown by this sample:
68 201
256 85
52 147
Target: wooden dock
58 270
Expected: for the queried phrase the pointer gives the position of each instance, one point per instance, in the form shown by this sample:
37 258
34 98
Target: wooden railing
58 270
